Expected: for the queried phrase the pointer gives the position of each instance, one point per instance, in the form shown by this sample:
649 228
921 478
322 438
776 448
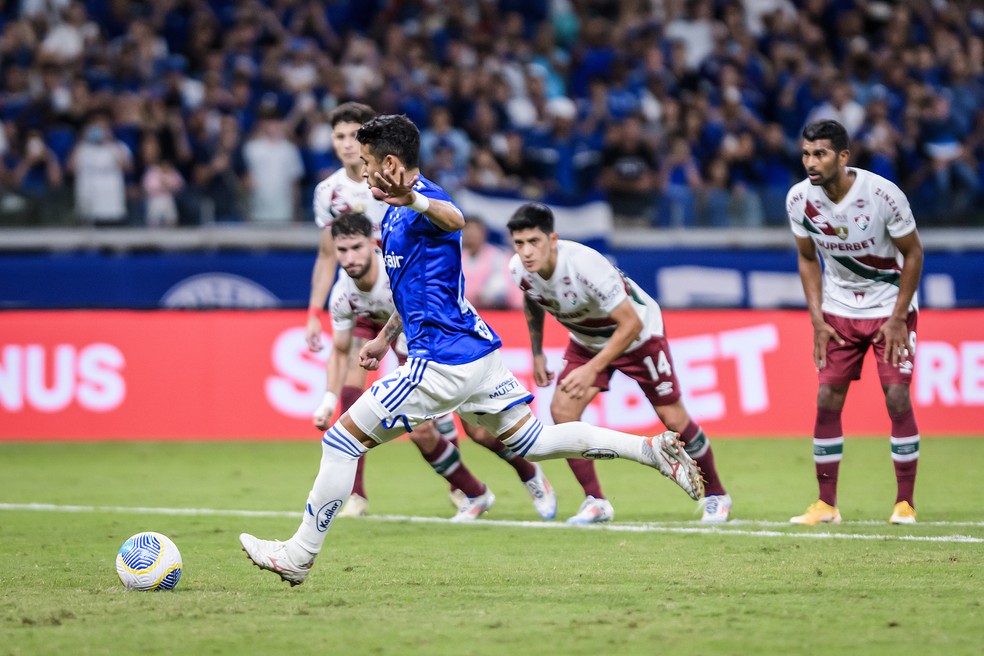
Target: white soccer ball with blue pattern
149 561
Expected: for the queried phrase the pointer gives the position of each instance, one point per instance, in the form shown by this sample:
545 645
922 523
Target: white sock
574 439
340 453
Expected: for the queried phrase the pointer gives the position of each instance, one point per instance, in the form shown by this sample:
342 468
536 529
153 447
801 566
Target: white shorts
483 392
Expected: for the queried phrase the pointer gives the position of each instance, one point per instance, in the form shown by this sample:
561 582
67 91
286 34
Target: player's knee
673 416
831 397
563 410
897 399
425 437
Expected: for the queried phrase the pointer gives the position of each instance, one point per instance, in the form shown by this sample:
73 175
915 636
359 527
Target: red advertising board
82 375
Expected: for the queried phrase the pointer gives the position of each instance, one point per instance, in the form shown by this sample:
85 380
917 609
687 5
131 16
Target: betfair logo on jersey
393 261
841 231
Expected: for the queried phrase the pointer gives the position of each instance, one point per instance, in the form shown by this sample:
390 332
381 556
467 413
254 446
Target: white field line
633 527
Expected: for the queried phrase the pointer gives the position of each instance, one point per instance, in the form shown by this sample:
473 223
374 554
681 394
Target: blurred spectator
680 180
65 42
567 161
442 134
160 183
629 171
31 174
273 171
488 284
942 140
877 144
518 165
695 30
218 173
484 173
538 85
778 162
840 107
100 163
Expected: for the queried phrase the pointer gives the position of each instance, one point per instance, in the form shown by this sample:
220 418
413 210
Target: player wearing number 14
613 326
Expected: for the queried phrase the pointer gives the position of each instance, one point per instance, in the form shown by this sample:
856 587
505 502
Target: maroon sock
698 446
584 472
828 448
446 461
524 468
446 427
360 484
905 454
348 397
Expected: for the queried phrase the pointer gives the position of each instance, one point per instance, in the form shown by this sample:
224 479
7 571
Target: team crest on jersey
862 221
841 231
570 297
338 204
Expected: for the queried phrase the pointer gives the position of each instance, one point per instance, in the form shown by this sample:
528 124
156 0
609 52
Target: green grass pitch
653 582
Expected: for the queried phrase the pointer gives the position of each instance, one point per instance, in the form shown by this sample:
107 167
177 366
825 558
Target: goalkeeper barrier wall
223 375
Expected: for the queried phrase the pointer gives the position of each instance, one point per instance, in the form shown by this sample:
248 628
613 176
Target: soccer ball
149 561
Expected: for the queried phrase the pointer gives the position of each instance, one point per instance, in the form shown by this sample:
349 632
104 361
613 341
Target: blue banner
676 277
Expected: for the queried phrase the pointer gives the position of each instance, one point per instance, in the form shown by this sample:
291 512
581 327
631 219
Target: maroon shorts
844 361
368 329
650 365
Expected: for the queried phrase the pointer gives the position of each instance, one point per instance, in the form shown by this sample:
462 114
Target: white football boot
716 508
473 507
272 555
544 499
593 511
666 453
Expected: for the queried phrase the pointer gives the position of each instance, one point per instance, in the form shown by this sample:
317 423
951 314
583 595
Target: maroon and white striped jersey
582 293
862 265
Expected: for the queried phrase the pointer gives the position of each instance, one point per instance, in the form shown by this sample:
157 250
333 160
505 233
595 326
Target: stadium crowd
678 112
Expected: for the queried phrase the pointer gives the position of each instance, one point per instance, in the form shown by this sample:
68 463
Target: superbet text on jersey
862 265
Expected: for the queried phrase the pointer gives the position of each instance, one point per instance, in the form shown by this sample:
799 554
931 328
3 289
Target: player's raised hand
895 334
541 375
822 335
394 188
372 353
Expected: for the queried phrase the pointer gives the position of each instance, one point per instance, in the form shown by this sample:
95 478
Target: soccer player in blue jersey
453 362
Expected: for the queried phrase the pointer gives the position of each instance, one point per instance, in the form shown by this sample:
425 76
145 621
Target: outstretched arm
322 278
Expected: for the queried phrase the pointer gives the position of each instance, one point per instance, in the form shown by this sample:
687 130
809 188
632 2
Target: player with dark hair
613 326
345 190
361 302
863 297
453 360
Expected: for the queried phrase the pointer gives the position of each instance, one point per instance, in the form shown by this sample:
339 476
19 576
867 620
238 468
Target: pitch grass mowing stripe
634 527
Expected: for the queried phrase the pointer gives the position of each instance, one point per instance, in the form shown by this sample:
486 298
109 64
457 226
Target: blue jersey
424 266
